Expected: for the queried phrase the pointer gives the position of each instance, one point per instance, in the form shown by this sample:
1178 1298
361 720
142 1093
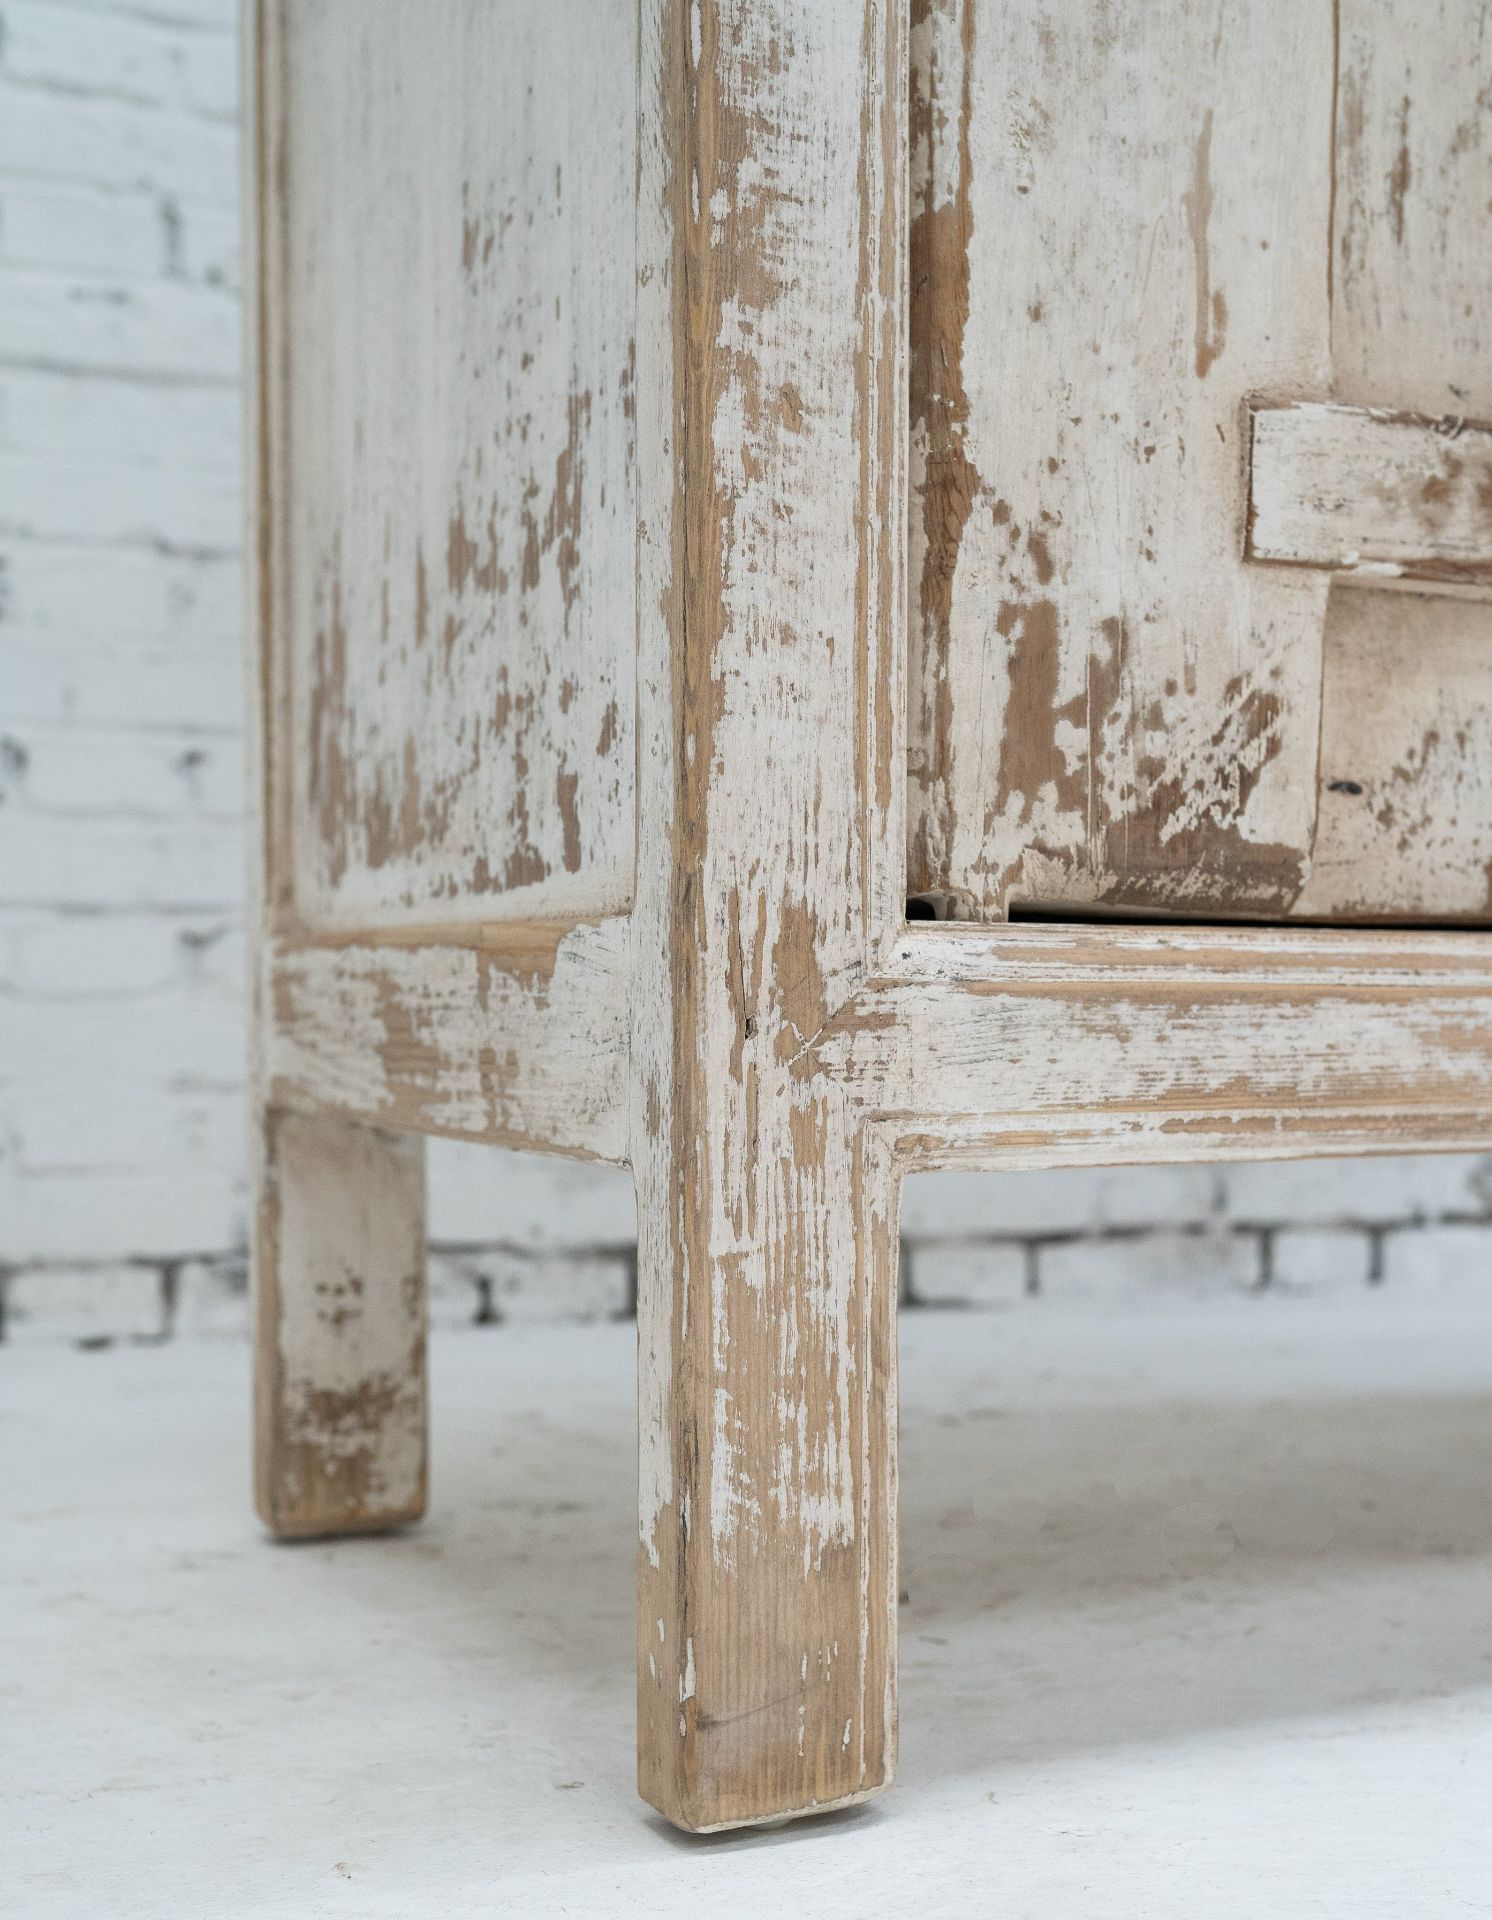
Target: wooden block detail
1359 490
339 1274
1405 827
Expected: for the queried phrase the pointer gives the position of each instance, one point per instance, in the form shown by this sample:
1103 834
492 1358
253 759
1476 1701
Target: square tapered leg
340 1413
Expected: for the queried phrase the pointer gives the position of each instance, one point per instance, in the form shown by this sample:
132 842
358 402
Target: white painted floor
1199 1622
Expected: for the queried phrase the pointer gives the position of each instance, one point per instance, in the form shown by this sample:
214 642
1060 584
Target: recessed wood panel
449 325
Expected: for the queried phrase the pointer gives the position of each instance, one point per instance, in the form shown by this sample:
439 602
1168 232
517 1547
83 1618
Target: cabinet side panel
1119 232
456 613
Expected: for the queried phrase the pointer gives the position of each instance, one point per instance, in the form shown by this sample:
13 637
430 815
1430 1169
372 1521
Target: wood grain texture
767 1252
1358 490
453 447
1119 231
340 1403
1029 1047
337 1233
1411 290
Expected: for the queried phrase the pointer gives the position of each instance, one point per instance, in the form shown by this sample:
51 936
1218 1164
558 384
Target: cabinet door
1201 523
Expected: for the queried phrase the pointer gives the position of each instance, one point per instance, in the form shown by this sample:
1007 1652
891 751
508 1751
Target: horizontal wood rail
512 1034
1015 1046
1038 1046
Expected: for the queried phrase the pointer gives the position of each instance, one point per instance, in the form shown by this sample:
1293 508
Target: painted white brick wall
121 857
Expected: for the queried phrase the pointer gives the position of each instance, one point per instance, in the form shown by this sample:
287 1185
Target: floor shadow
1074 1577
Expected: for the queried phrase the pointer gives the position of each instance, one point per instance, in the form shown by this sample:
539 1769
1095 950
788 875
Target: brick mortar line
15 537
144 14
137 182
230 1264
111 97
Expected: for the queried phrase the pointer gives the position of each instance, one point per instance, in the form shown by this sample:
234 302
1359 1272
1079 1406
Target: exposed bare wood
1411 273
1028 1142
1405 829
1109 711
1406 785
1358 490
1157 1032
338 1211
1096 954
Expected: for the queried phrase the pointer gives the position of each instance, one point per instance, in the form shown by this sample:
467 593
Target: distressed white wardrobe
800 554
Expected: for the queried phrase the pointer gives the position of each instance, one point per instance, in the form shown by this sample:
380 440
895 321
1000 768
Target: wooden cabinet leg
339 1274
767 1599
770 880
